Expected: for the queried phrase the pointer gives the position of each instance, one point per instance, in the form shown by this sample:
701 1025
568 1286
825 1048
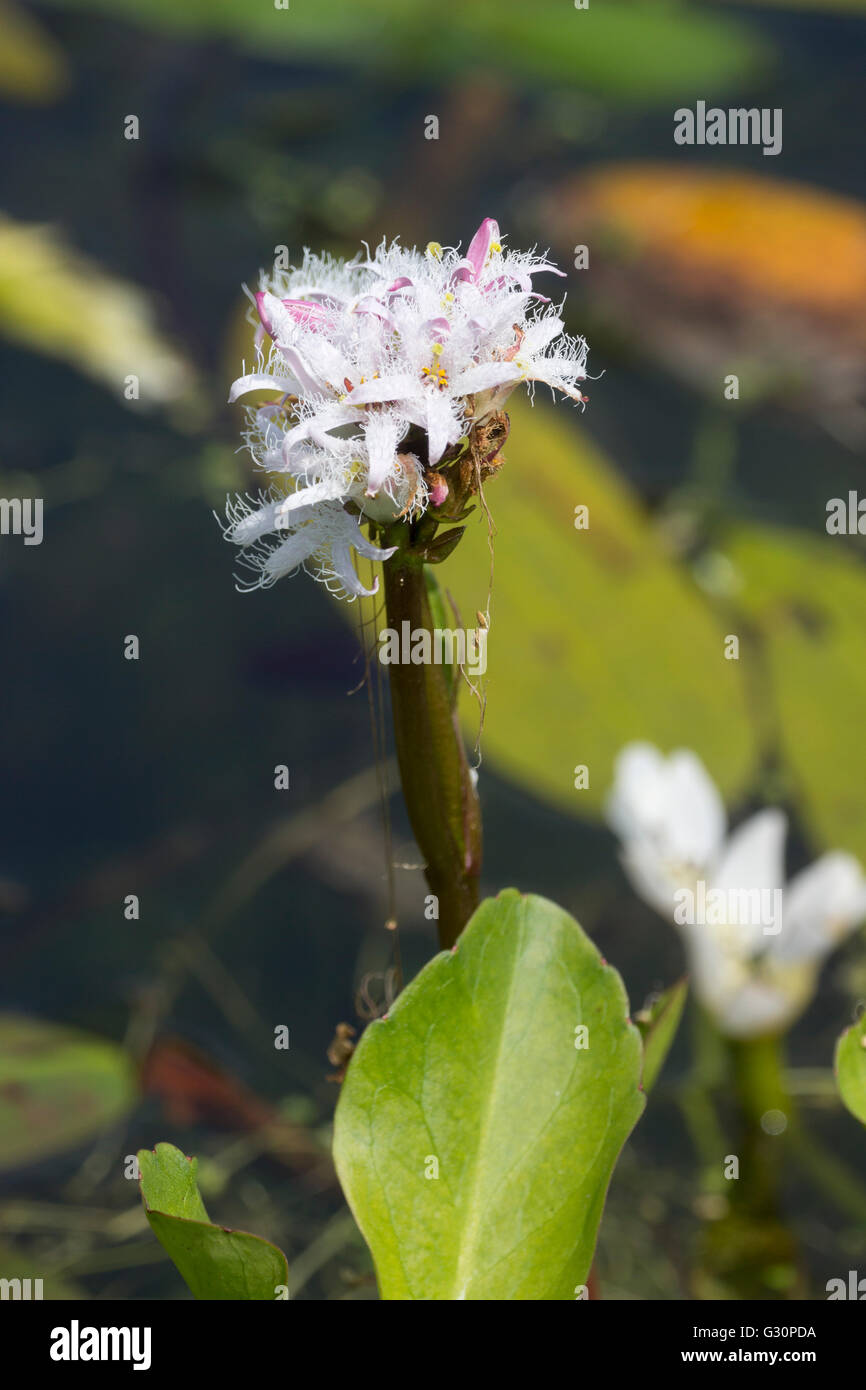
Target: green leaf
850 1067
658 1023
806 597
478 1069
215 1262
631 51
636 53
58 1088
597 636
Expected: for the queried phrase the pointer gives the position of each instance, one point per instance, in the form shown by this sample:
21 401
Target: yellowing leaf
57 302
32 67
713 272
807 597
745 232
597 637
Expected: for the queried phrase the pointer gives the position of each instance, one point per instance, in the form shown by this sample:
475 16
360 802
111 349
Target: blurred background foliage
261 127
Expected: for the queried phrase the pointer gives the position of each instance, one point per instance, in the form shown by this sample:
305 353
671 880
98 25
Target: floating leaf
850 1067
58 1087
19 1264
32 67
216 1263
658 1023
57 302
479 1123
597 637
807 599
634 52
700 266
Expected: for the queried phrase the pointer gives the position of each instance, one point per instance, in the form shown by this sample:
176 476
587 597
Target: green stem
751 1253
440 796
757 1068
759 1079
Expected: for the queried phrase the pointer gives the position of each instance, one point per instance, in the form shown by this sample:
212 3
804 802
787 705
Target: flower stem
751 1252
440 796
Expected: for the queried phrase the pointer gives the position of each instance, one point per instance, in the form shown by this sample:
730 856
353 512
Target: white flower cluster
754 971
383 366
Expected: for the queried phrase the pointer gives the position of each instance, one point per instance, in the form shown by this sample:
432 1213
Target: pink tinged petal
479 246
262 305
436 327
439 491
549 266
371 305
402 283
305 312
276 320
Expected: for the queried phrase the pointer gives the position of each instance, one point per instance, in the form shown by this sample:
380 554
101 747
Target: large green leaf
476 1133
597 638
806 597
216 1263
58 1087
632 51
851 1068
